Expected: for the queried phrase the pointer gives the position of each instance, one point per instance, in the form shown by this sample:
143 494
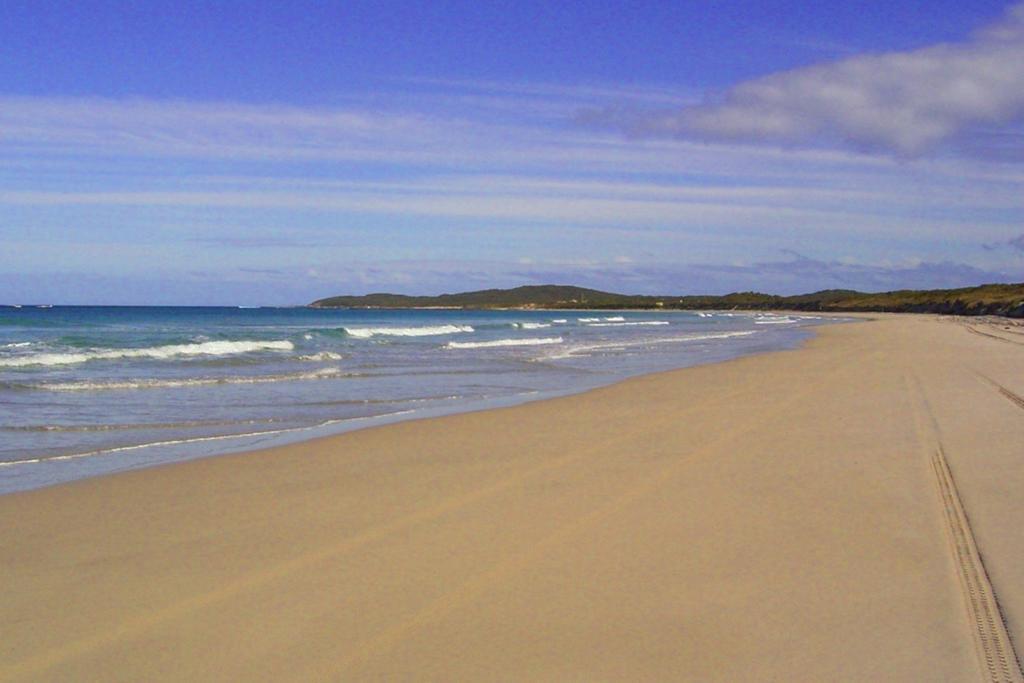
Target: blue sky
273 153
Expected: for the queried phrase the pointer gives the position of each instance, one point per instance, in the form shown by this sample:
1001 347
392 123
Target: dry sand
795 516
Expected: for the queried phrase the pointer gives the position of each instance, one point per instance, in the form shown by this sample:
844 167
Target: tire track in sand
974 330
1014 398
993 645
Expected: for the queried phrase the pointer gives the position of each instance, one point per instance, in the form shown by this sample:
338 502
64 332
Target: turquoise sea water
87 390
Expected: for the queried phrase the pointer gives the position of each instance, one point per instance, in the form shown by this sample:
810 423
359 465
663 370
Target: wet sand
819 514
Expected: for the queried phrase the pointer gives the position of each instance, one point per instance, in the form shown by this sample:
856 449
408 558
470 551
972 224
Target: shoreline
113 460
774 516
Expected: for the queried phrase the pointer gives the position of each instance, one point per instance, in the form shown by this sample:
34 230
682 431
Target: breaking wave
536 341
130 427
428 331
208 348
774 321
199 439
109 385
629 324
322 356
583 349
608 319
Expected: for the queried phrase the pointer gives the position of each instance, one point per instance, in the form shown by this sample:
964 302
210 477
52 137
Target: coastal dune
847 511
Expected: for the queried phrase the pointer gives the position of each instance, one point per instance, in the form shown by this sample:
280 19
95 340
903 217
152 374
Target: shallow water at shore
85 390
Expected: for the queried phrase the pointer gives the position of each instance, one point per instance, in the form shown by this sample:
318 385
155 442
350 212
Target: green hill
540 296
997 299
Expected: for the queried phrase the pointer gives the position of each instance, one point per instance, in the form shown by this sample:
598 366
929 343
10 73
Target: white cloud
907 103
506 131
485 177
777 211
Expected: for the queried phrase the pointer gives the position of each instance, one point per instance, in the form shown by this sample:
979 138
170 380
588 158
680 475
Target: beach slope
848 511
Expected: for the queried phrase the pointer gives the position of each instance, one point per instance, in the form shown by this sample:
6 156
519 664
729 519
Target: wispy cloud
793 275
363 193
249 241
906 103
503 130
1014 243
214 283
808 212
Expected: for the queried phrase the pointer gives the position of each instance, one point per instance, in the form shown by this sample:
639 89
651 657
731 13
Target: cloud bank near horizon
460 186
904 103
789 273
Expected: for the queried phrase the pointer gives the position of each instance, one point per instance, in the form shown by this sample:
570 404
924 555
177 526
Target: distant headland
995 299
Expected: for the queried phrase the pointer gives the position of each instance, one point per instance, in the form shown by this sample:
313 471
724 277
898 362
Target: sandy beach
850 511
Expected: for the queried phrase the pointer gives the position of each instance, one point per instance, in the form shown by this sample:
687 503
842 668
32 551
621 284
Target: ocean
90 390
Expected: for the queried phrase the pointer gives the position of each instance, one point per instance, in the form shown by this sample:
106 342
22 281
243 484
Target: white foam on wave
208 348
109 385
719 335
16 345
560 321
322 356
535 341
583 349
532 326
427 331
200 439
631 323
589 320
87 428
769 320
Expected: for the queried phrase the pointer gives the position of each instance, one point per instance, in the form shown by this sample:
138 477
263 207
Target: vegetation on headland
1005 300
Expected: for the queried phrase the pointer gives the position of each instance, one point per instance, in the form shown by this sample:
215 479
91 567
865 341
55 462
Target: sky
268 153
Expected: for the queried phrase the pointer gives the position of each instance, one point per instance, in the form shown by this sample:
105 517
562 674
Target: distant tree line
997 299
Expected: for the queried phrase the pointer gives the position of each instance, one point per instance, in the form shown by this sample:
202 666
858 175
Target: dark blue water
91 389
